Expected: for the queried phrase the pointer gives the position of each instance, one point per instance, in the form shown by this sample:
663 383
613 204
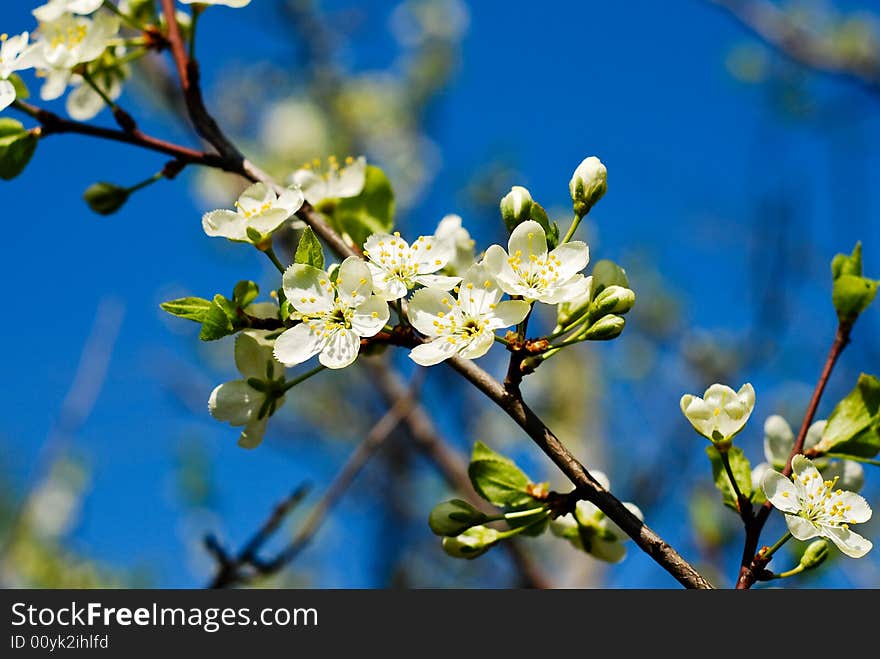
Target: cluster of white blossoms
74 38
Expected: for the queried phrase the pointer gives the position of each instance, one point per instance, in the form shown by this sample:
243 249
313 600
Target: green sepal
309 250
742 472
22 93
451 518
372 211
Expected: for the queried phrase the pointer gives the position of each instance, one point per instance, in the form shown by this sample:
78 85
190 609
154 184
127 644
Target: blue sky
642 84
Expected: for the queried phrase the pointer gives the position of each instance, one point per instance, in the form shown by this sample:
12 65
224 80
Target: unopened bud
588 184
614 299
814 555
454 517
106 198
606 328
568 312
516 207
475 541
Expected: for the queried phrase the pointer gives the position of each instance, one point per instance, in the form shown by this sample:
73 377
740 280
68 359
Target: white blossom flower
721 413
464 326
15 55
68 41
451 231
226 3
238 402
397 266
333 181
84 103
814 508
590 530
779 442
588 184
527 269
335 314
258 208
54 9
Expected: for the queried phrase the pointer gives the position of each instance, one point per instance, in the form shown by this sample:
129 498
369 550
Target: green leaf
244 293
851 295
854 425
216 323
17 146
372 211
607 273
454 517
228 306
22 93
309 250
106 198
847 264
497 479
742 472
191 308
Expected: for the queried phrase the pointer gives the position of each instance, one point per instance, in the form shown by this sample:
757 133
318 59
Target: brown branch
780 31
752 563
248 565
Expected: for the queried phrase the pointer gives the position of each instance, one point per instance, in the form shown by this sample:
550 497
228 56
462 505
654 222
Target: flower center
538 271
69 37
256 210
822 503
327 170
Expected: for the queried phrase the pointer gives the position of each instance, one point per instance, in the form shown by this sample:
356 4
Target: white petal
7 94
433 352
291 200
254 196
478 346
225 224
814 434
298 344
698 413
528 238
801 528
355 283
495 259
252 435
479 291
778 440
850 473
252 354
54 84
781 492
308 289
350 180
431 254
267 221
235 402
313 186
341 350
573 258
803 467
509 313
370 317
84 103
857 509
425 308
573 289
717 395
84 6
849 542
758 473
441 282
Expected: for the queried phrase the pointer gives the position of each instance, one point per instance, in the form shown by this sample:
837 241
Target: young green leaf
742 472
216 323
309 250
854 425
244 293
497 478
372 211
191 308
17 146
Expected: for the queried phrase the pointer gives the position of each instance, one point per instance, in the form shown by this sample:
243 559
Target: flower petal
370 317
441 282
573 257
252 435
425 307
54 84
252 354
298 344
7 94
350 180
432 352
479 291
509 313
313 186
308 289
477 346
226 224
267 221
528 238
801 528
698 413
291 200
341 350
254 196
778 440
847 541
850 473
234 402
355 283
856 509
431 254
781 492
573 289
495 259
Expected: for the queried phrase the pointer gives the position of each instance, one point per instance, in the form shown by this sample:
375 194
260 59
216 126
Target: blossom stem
100 92
519 529
270 252
742 501
790 573
196 13
146 182
502 341
128 20
765 556
302 378
575 223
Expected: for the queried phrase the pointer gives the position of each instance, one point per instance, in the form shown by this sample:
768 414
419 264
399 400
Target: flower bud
106 198
475 541
606 328
814 555
454 517
516 207
588 184
614 299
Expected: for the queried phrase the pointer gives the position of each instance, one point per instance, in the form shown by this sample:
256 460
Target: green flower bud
614 299
516 207
588 184
474 542
452 518
106 198
606 328
567 312
814 555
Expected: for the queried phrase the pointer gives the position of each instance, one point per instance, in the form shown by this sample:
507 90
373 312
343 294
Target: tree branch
780 31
